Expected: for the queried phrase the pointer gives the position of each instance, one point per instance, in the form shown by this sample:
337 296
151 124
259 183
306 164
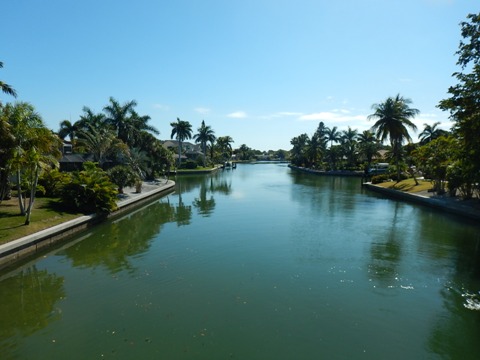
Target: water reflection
204 204
455 332
386 251
183 213
112 244
294 265
28 305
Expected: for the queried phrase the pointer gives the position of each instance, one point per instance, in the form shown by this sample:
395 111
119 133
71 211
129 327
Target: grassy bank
407 185
46 213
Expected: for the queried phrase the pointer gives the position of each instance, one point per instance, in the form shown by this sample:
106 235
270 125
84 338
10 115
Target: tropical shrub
189 164
90 191
122 176
52 182
459 179
377 179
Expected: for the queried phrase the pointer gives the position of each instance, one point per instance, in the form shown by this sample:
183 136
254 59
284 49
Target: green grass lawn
408 185
46 213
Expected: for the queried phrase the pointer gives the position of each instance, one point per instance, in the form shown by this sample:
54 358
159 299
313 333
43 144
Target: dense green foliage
90 191
464 108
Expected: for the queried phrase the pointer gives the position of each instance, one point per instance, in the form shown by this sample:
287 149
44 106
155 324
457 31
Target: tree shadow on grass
403 187
13 227
58 207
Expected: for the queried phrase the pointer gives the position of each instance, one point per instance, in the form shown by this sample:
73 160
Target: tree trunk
179 153
19 194
32 194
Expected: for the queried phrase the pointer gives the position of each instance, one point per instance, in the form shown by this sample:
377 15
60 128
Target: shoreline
469 209
464 208
29 245
328 173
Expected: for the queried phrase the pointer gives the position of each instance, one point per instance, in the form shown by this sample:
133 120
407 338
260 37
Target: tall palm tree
349 145
393 117
205 135
120 117
7 89
314 149
139 125
321 131
430 132
91 120
181 130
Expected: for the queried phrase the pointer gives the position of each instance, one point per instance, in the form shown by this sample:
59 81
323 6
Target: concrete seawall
327 173
447 204
19 249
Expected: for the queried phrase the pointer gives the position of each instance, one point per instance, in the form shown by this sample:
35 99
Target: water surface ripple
254 263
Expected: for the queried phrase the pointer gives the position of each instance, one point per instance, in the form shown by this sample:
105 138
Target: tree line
451 159
124 150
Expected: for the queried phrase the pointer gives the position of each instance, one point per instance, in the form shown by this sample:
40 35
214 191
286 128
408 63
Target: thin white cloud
281 114
161 107
202 110
338 116
237 115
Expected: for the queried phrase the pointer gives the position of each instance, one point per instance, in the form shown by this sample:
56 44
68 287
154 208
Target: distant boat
229 165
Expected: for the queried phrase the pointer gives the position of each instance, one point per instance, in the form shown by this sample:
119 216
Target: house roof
188 146
76 158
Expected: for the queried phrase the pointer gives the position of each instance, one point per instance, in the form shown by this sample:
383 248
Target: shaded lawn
408 185
47 212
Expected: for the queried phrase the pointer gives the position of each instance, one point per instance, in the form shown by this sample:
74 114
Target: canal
259 262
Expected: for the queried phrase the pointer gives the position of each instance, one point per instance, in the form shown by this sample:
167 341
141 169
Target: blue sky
260 71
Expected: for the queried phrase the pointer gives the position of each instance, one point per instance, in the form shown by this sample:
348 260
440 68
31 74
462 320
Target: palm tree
224 143
68 129
138 127
349 144
181 130
244 152
42 154
333 135
314 148
101 143
91 120
7 89
205 134
321 131
393 118
430 132
25 124
120 117
298 151
368 147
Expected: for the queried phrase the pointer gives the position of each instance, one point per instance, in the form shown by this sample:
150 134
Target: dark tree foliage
464 101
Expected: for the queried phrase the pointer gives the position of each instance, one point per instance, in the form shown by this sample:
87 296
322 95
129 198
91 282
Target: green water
254 263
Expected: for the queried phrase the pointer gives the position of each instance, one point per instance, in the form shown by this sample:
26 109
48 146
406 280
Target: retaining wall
20 249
